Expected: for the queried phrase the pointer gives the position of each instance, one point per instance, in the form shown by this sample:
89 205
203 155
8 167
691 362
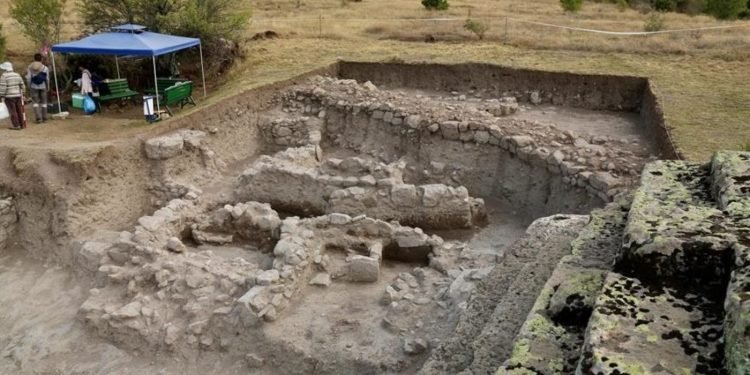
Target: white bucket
4 111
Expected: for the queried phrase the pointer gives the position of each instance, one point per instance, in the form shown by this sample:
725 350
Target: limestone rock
321 279
164 147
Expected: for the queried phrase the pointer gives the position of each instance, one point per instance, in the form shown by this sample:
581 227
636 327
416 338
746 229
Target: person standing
37 75
87 86
12 89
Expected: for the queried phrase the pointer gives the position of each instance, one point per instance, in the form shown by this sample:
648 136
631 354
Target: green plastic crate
78 100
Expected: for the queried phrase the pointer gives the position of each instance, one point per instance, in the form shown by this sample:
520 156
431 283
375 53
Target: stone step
641 328
551 338
675 230
501 301
730 173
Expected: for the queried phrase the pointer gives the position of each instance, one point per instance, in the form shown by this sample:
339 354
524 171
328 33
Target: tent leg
57 90
203 72
117 64
156 85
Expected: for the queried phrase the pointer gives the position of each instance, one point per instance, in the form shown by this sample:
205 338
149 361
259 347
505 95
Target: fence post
505 38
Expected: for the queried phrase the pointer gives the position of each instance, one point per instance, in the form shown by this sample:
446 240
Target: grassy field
701 76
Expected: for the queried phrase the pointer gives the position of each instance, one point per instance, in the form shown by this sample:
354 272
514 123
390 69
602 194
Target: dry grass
699 75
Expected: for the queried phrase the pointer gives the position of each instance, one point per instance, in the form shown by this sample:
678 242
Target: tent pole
57 90
117 64
156 86
203 72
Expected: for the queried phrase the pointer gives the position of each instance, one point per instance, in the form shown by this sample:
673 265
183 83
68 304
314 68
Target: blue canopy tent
129 40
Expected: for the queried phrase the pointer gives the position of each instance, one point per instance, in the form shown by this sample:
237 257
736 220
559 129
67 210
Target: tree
100 15
571 5
207 19
726 9
40 20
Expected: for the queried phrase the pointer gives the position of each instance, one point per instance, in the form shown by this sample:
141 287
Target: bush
435 4
622 5
654 22
725 9
476 27
40 20
571 5
665 5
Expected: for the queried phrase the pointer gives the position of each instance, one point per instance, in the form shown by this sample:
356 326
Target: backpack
39 78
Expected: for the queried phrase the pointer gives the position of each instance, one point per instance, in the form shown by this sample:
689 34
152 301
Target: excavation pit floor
371 250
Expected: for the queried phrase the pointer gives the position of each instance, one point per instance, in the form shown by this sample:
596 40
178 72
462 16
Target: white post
57 90
117 64
156 86
203 72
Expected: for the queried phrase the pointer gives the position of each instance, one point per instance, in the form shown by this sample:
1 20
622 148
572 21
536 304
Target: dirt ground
345 324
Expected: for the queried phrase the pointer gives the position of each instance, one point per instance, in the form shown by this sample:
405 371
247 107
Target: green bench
116 89
165 83
179 93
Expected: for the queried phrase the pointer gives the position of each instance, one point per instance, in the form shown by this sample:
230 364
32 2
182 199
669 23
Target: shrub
745 146
40 20
435 4
654 22
476 27
725 9
665 5
622 5
571 5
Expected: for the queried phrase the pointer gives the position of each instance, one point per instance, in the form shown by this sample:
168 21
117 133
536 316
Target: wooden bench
165 83
179 93
116 89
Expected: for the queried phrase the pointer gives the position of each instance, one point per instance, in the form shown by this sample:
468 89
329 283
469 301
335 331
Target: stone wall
8 219
295 181
491 150
292 132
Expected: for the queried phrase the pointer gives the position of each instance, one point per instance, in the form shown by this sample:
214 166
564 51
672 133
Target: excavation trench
398 195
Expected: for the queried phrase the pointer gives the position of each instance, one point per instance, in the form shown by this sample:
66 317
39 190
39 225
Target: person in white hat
12 89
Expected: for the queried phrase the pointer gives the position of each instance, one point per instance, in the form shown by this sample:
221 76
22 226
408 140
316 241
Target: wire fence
621 36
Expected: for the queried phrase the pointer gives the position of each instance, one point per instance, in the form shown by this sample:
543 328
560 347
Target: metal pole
203 72
117 64
156 87
57 90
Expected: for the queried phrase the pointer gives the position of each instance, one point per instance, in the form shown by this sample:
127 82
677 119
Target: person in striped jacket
12 89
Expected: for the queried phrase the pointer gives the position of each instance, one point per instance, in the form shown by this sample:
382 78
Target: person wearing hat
12 89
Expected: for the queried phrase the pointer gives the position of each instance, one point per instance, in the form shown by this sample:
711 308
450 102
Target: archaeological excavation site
381 218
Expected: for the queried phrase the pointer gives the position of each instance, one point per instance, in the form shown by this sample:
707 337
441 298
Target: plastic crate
77 101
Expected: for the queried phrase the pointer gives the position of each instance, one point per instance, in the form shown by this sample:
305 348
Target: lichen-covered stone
638 328
675 229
